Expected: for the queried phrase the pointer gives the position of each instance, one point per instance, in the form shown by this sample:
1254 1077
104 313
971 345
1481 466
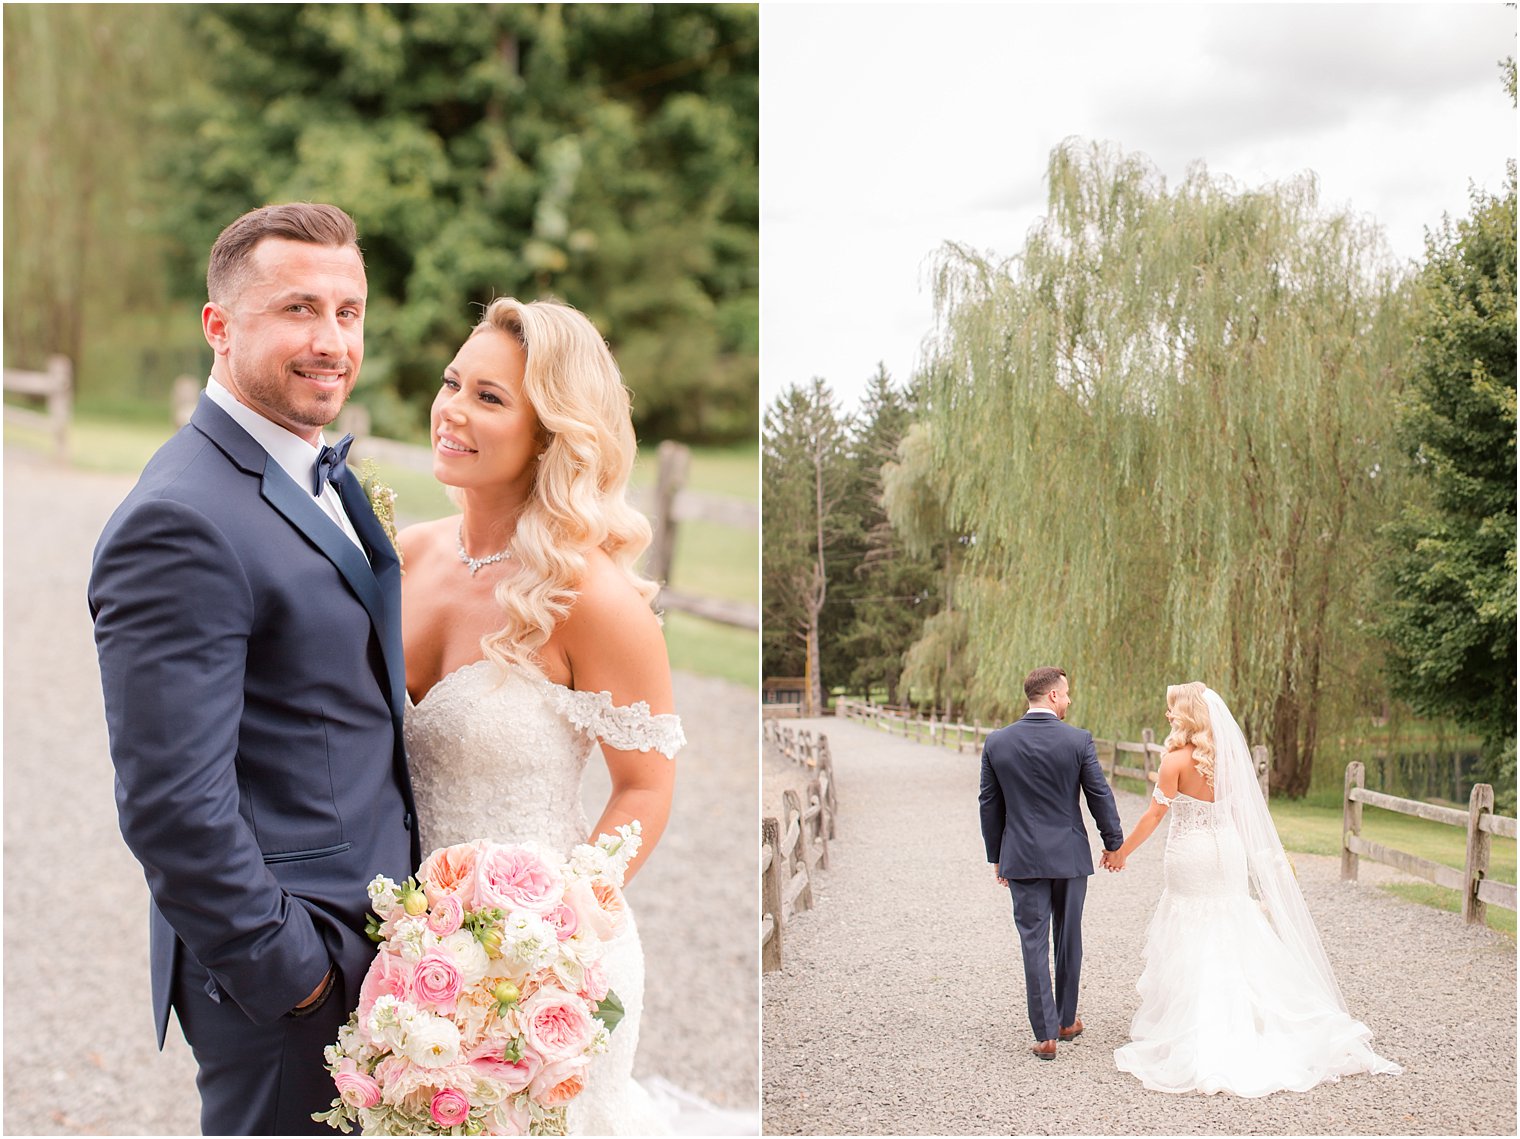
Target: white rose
470 957
431 1041
382 895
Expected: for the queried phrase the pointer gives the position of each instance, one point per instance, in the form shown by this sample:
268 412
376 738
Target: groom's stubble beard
272 392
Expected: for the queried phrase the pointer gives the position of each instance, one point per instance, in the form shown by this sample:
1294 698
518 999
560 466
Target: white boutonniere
382 500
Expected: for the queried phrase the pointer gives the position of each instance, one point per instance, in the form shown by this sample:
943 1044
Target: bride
529 637
1236 993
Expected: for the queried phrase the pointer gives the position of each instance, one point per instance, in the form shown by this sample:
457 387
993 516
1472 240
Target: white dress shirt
295 455
1041 711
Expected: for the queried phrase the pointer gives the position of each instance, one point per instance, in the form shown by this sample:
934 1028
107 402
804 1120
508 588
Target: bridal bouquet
488 997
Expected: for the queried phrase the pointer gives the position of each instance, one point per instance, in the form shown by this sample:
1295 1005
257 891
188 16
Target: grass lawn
716 560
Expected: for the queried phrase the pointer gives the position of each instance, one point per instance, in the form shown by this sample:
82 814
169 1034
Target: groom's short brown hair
1041 681
311 222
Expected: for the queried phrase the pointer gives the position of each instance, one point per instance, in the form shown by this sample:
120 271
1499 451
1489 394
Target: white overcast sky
889 129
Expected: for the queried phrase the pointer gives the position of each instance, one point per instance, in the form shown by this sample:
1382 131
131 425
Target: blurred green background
606 155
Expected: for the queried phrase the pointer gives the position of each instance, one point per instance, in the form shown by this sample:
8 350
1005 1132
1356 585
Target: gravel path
71 883
899 1008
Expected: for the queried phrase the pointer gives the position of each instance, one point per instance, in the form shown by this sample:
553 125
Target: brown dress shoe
1073 1032
1045 1050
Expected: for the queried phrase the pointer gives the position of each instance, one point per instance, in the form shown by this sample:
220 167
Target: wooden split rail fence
1146 752
55 387
795 848
1477 889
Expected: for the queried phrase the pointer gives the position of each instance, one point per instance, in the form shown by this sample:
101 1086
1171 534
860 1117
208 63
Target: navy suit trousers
1042 906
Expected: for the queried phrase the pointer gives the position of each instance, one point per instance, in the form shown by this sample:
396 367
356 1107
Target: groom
247 617
1032 771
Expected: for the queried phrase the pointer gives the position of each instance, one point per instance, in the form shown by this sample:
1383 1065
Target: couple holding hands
1236 993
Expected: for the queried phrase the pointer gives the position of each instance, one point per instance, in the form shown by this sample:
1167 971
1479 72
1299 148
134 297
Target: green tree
603 154
1451 570
1166 427
82 83
805 479
891 592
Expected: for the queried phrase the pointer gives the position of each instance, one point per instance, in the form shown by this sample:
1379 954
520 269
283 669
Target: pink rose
588 911
562 918
354 1087
447 915
448 870
449 1108
514 878
560 1082
513 1075
437 981
389 974
594 982
556 1024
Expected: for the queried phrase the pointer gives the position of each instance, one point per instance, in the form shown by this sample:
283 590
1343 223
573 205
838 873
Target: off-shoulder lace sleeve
1160 798
628 727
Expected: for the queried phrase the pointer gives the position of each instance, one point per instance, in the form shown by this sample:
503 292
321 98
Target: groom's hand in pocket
318 995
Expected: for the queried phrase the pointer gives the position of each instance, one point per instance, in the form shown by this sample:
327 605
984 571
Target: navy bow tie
332 464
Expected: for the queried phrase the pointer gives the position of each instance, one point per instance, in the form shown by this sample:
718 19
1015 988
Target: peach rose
449 870
514 878
560 1082
611 901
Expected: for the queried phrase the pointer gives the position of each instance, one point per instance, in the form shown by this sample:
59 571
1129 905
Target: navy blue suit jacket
1032 771
254 691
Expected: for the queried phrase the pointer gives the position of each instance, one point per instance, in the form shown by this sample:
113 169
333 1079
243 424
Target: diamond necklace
477 564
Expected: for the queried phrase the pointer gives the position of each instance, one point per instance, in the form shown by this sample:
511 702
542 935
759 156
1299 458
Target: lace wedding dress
498 753
1225 1004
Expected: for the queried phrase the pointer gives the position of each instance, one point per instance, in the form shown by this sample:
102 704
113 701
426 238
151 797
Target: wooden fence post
826 778
770 895
60 401
1148 738
674 459
1479 803
1351 819
815 797
791 804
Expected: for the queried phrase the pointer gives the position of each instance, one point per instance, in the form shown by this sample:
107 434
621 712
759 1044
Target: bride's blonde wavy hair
579 499
1192 727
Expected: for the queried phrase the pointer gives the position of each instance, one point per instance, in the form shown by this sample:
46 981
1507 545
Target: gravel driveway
79 1048
899 1008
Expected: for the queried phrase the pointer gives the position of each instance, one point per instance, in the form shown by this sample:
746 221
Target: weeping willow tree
914 495
1168 423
